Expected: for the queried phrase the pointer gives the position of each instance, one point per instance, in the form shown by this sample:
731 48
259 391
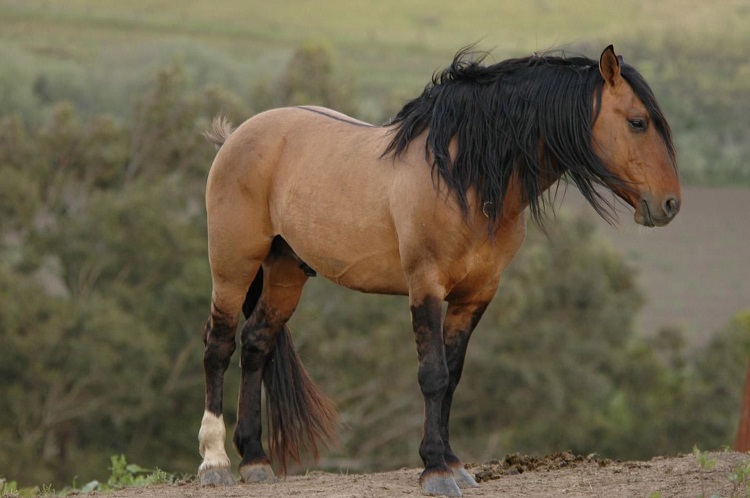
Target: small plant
130 474
705 461
8 488
740 478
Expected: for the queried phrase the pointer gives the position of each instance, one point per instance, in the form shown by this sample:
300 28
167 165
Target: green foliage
103 282
740 477
16 85
104 289
122 475
11 490
697 66
8 488
126 474
703 459
310 77
718 371
707 464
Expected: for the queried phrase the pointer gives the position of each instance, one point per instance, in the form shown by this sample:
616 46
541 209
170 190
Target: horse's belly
336 217
360 261
379 274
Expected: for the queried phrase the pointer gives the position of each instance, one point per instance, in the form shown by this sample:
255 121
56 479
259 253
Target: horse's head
633 140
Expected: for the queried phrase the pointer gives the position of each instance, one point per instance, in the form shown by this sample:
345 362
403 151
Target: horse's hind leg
234 263
282 285
460 321
219 344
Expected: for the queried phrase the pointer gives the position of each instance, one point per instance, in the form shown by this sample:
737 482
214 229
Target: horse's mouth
643 215
648 218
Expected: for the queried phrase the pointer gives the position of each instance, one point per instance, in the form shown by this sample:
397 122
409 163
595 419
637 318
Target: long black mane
531 116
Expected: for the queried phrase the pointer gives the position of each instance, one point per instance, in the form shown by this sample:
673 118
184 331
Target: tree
742 441
104 286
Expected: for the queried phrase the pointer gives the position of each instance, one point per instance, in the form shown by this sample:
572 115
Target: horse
431 205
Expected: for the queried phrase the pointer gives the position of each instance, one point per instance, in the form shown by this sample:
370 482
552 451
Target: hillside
693 272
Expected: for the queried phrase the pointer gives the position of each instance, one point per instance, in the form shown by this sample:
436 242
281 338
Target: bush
311 77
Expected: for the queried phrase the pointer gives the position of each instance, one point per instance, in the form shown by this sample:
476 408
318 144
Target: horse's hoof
439 484
463 478
216 477
257 472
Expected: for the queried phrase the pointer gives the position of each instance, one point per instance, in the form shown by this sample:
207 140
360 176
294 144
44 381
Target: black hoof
463 478
257 472
216 477
439 484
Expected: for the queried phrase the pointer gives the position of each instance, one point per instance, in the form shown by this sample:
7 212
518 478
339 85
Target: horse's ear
609 66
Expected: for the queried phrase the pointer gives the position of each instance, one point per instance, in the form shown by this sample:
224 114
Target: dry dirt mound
562 474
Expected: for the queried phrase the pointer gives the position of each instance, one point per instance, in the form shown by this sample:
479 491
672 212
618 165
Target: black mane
517 116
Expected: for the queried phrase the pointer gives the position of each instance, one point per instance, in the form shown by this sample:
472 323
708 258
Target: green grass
123 475
389 43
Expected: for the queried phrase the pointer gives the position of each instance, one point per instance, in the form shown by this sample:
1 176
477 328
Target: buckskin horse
431 205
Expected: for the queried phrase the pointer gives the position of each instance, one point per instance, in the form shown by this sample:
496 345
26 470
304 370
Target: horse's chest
484 263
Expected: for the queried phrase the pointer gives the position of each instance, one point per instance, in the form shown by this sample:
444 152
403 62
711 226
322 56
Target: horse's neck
514 203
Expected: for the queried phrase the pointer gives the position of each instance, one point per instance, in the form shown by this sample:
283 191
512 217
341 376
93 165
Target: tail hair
299 415
220 130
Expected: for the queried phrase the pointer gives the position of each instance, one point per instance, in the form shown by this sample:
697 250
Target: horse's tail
299 415
220 130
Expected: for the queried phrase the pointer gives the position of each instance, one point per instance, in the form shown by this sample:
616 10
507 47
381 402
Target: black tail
299 415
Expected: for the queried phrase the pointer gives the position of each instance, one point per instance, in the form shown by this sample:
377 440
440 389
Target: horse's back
317 179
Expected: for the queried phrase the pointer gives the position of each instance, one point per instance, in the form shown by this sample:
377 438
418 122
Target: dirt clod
518 464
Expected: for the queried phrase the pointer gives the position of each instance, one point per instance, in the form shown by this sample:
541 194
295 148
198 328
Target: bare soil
562 474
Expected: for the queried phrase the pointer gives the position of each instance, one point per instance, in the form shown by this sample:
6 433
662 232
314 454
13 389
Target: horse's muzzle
651 213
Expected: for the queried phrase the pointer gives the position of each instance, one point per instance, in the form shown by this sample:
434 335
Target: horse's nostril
671 206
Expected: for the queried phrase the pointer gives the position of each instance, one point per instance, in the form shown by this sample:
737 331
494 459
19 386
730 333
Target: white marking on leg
211 439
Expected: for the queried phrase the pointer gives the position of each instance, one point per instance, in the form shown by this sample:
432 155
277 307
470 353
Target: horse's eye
638 124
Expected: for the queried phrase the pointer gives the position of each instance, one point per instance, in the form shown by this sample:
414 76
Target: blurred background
619 341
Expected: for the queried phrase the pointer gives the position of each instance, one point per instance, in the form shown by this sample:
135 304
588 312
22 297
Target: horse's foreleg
437 478
460 321
219 346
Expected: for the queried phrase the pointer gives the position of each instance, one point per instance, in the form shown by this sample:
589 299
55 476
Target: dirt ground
563 474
